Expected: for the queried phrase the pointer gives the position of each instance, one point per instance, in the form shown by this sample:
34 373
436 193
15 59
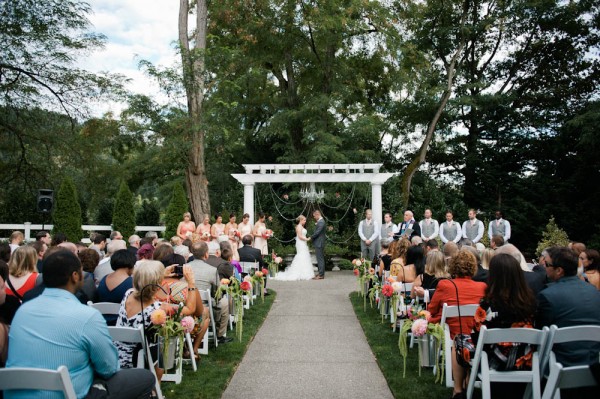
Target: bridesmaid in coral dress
186 228
231 230
259 229
218 228
203 229
245 228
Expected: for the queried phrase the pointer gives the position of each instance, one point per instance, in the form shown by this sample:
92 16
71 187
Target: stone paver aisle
310 346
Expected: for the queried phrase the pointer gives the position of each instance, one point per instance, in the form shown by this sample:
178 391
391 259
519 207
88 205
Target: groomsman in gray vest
429 227
388 229
368 231
450 230
499 227
473 228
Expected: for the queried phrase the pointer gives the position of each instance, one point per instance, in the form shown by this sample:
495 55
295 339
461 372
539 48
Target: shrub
177 207
148 214
552 237
123 219
67 212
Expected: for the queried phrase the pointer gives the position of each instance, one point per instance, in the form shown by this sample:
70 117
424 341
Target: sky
135 30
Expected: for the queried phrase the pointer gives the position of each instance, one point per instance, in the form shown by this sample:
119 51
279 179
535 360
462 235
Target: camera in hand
176 260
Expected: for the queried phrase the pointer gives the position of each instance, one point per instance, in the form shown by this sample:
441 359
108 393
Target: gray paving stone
310 346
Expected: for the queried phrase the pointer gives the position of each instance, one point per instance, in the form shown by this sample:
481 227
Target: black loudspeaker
45 201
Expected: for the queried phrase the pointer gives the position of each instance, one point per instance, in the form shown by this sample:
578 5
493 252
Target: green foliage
345 264
67 212
123 219
552 236
148 214
485 240
177 207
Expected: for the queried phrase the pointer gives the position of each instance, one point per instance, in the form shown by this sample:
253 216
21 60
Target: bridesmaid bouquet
267 234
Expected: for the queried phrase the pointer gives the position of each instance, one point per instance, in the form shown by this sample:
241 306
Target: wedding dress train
301 267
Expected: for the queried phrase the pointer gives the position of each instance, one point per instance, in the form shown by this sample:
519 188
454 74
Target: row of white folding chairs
543 358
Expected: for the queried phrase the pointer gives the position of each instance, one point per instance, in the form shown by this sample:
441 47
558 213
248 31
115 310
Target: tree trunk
420 157
193 64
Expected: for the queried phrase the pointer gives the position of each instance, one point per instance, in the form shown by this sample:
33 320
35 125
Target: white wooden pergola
314 173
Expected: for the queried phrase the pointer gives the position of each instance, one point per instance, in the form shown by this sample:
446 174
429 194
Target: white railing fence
28 227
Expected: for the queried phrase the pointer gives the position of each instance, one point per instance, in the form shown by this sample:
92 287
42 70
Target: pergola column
376 202
249 200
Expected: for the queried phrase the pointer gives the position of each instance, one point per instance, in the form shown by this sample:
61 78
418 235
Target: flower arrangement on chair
273 263
258 280
418 324
235 290
365 274
168 327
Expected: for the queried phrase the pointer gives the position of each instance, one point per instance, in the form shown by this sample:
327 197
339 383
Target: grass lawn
216 369
384 344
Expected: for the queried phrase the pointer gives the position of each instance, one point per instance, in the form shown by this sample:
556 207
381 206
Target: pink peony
225 281
188 323
245 286
259 273
248 279
356 272
398 287
265 271
358 262
278 260
371 270
419 327
158 317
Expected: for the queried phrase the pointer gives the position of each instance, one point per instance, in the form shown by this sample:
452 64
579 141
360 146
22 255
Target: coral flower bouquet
168 327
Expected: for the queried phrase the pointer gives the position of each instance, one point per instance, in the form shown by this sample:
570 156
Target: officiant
409 228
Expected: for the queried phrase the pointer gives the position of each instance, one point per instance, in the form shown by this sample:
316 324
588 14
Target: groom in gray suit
318 239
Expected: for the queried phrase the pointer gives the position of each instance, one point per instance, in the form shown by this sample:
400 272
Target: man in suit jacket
318 239
409 223
250 254
567 302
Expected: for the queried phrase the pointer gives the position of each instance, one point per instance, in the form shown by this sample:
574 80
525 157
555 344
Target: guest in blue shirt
55 329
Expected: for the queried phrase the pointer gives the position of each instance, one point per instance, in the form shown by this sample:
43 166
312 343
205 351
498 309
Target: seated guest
16 240
104 267
41 248
399 267
415 258
57 239
146 252
8 303
482 273
88 291
497 241
139 303
536 278
112 287
450 249
134 244
462 268
207 278
590 260
385 259
425 284
73 335
98 244
508 302
567 302
214 253
431 245
225 268
23 271
248 253
89 260
5 252
184 251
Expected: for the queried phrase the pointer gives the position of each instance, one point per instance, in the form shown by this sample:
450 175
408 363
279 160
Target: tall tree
67 212
193 48
123 219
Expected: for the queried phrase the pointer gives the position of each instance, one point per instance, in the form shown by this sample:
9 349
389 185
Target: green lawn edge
384 345
216 369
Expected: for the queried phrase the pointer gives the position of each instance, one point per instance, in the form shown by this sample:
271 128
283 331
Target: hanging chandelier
311 195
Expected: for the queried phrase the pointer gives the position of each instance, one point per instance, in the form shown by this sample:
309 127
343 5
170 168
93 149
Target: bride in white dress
301 267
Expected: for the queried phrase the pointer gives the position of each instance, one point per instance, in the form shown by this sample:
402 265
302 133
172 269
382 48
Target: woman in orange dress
22 267
186 227
232 232
203 229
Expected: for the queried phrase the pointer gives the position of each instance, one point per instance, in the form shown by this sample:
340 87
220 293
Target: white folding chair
566 377
590 333
248 267
37 379
109 308
136 336
448 312
207 299
480 368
